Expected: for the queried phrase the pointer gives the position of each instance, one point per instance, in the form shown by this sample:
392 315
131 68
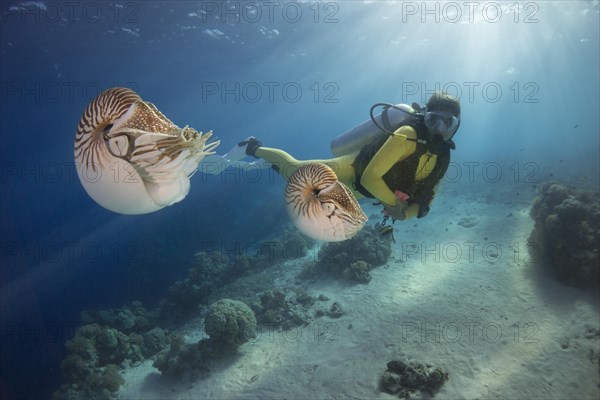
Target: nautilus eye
322 207
118 145
130 158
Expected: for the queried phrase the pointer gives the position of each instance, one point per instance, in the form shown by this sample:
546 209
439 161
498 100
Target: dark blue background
62 253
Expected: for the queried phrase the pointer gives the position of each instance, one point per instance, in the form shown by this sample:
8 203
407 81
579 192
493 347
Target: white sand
496 324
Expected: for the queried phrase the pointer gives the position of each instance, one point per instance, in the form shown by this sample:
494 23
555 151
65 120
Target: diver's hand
397 211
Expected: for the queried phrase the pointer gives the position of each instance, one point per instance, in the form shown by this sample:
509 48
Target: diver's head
442 116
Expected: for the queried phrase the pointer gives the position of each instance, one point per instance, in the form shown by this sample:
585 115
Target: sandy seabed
469 299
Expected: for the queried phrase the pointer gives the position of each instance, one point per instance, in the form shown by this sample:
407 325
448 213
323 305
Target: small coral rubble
567 233
109 339
468 222
403 378
352 259
284 309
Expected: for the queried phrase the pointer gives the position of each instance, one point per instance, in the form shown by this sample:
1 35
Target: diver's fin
214 165
245 148
250 146
236 153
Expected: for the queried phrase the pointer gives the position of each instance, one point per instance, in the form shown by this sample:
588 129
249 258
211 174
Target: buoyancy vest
402 175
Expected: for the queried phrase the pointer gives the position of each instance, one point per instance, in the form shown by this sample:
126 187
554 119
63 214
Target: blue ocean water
293 74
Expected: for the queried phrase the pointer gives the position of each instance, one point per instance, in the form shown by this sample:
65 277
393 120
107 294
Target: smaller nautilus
130 158
322 207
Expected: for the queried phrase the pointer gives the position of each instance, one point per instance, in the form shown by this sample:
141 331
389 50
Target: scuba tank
384 123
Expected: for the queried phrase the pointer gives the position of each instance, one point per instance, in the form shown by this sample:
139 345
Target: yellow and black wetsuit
396 162
401 162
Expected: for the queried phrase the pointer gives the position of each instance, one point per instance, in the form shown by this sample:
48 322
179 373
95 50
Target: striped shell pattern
320 206
130 158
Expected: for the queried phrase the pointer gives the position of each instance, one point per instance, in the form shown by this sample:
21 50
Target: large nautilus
320 206
130 158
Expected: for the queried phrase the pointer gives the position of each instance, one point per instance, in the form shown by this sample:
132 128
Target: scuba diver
397 157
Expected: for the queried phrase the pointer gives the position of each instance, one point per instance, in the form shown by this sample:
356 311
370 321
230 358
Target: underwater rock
566 233
304 299
214 269
114 347
126 319
285 310
119 319
179 359
231 322
76 368
467 222
96 350
154 341
352 259
291 244
335 311
402 378
107 377
97 383
273 300
210 271
358 271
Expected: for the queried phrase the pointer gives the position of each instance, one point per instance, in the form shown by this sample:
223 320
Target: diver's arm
395 149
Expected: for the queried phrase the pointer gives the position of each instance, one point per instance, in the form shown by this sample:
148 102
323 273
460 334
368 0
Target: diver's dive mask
441 123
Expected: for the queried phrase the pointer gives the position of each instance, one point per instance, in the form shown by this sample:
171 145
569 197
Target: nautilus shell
130 158
322 207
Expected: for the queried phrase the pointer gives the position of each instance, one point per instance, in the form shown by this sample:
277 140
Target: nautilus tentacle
322 207
130 158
